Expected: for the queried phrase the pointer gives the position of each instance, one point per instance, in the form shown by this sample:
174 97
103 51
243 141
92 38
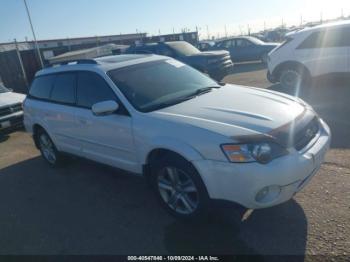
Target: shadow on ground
329 96
86 208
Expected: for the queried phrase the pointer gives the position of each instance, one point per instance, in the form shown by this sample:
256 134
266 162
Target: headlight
262 152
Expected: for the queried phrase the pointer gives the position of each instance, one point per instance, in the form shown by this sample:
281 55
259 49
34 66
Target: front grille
8 110
304 136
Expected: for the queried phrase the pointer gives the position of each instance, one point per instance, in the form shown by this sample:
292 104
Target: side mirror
105 108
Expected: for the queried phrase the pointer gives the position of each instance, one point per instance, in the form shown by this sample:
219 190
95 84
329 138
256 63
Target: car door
58 113
245 50
107 139
324 52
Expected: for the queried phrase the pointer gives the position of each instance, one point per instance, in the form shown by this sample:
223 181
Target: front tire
179 188
48 149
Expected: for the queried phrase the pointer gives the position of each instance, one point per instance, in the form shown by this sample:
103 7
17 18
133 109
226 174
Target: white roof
103 63
342 23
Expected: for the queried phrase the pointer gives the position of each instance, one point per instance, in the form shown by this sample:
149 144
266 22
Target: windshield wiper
198 92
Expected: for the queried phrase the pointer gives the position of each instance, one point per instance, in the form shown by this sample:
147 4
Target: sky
75 18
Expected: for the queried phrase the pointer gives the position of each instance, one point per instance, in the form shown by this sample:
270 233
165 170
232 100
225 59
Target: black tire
294 78
56 159
198 200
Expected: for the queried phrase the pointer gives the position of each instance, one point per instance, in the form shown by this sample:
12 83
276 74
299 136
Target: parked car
311 52
193 139
205 45
11 113
217 64
246 48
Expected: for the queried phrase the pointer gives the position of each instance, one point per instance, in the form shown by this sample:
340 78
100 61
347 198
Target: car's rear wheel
179 187
294 78
48 149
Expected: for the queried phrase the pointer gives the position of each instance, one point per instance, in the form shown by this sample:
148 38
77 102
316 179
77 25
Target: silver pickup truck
11 112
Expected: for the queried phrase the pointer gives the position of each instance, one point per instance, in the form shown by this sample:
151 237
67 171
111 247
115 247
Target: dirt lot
86 208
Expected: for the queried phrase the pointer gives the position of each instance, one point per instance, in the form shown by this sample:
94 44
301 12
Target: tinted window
92 89
41 87
149 86
327 38
226 44
183 48
64 88
242 43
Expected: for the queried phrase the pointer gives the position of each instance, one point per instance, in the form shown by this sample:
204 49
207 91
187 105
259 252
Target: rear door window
327 38
41 87
63 90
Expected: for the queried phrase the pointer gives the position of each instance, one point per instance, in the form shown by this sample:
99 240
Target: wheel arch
289 64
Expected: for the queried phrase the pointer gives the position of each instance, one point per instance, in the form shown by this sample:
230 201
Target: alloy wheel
47 148
178 190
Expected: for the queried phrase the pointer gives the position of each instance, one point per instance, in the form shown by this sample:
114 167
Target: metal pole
36 43
21 63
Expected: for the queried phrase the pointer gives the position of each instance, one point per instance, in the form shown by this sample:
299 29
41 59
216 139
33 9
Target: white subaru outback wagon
193 139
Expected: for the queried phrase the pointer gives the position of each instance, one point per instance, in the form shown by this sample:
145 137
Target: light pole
35 42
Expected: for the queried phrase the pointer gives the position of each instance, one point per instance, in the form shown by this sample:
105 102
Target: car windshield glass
255 41
154 85
183 48
3 89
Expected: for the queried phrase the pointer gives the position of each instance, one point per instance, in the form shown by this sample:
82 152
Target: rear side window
327 38
41 87
92 89
63 90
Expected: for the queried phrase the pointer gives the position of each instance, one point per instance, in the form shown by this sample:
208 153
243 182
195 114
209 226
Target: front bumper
240 183
11 122
218 73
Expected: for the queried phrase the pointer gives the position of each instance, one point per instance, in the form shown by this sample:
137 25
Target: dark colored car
246 48
205 45
217 64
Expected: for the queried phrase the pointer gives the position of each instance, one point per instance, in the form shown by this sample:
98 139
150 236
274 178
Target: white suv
311 52
193 139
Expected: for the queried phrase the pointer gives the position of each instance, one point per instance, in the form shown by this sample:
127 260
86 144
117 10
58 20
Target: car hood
10 98
236 111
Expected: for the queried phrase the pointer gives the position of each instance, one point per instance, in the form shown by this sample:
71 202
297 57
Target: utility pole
21 64
225 31
35 42
208 33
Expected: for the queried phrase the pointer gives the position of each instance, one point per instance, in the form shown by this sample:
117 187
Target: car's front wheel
48 149
179 187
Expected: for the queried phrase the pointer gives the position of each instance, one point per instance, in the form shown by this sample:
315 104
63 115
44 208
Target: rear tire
179 188
294 78
48 149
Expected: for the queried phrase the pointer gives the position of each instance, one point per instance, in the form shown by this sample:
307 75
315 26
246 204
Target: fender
171 144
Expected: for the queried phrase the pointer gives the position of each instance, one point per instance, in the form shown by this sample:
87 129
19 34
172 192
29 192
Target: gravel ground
87 208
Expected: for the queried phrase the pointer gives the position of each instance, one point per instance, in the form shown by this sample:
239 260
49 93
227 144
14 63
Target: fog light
268 194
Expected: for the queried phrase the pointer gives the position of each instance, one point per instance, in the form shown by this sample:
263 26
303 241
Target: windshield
256 41
183 48
3 89
153 85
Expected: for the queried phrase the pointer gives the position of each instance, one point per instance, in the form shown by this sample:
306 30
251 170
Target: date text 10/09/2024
173 258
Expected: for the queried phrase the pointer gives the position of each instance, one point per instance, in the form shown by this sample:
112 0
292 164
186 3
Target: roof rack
77 61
